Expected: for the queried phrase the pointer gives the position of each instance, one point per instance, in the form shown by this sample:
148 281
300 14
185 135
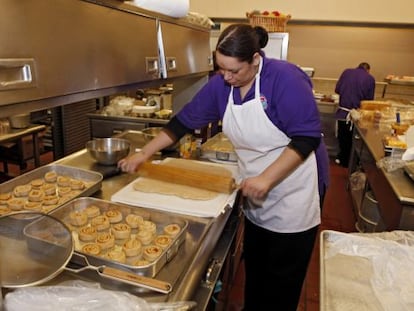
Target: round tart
172 229
163 240
50 200
144 236
5 196
92 211
148 225
36 195
49 189
132 247
33 206
37 183
22 190
63 181
100 222
51 176
87 234
105 240
16 204
114 216
134 220
152 252
117 255
62 191
77 184
4 210
78 218
121 231
91 249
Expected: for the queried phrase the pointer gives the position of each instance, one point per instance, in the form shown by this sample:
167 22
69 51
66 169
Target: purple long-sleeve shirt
288 101
354 85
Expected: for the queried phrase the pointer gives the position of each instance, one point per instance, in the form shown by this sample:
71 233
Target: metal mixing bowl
108 151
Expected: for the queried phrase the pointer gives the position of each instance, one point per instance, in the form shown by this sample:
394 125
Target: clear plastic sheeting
370 271
83 296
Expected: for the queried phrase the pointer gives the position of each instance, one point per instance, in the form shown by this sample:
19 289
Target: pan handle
134 279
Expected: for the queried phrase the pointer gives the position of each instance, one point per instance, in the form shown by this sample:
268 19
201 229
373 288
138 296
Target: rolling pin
188 177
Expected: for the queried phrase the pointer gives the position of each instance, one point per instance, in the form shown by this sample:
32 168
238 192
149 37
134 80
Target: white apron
291 206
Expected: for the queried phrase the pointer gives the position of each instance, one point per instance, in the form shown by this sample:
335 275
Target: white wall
396 11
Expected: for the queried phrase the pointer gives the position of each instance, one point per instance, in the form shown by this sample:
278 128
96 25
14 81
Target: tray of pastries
219 149
122 236
46 188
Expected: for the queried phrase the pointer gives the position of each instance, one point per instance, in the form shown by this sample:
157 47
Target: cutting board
175 204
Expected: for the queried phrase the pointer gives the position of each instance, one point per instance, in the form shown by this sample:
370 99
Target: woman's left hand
255 188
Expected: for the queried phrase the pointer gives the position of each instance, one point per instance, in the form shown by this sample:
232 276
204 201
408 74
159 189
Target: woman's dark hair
242 41
364 65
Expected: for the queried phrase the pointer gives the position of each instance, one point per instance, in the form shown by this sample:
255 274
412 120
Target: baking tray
218 148
161 219
92 181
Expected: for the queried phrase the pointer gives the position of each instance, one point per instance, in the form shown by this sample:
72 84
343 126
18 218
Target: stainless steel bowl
108 151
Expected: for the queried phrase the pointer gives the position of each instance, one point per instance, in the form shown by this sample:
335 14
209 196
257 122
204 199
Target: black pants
276 265
344 141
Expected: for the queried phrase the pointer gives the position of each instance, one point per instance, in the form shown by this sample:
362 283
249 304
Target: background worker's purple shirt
354 85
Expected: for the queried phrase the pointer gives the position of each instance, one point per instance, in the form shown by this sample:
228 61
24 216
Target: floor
337 214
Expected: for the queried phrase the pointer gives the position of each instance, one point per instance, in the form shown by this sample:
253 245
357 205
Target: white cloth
291 206
173 8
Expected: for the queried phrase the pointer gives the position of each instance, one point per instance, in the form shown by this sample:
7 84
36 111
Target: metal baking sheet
92 181
161 219
219 148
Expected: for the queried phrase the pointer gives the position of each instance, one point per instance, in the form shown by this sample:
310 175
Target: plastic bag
391 163
79 296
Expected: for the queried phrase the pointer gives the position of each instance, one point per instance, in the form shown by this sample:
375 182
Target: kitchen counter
394 191
194 271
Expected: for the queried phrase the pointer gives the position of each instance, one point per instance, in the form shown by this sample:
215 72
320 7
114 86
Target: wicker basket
270 23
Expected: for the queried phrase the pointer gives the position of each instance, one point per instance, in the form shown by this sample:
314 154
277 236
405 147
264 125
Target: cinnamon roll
132 247
114 216
134 220
16 204
148 225
117 255
50 177
121 231
36 195
78 218
163 240
63 181
22 190
87 233
49 189
92 211
91 249
144 236
172 229
33 206
37 183
105 240
100 222
152 252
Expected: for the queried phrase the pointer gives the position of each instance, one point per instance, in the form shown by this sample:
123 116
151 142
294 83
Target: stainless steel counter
201 256
394 191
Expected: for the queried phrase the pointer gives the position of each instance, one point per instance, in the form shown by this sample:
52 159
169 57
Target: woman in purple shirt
269 114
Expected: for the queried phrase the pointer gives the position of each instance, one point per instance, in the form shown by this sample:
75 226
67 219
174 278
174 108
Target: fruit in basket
266 13
275 13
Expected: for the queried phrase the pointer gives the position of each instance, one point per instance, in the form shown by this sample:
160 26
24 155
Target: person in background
269 113
354 85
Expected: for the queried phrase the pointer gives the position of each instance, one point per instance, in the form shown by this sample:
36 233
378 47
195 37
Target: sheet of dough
196 166
149 185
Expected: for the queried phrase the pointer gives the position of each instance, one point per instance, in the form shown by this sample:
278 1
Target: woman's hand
256 188
131 163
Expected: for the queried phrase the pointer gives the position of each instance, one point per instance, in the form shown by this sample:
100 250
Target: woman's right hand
131 163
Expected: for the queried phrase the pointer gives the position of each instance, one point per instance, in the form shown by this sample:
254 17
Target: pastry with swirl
152 252
78 218
91 249
49 189
114 216
37 183
4 210
63 181
16 204
163 240
117 255
121 231
172 229
100 222
36 195
105 240
134 220
33 206
132 247
92 211
22 190
148 225
144 236
51 177
87 233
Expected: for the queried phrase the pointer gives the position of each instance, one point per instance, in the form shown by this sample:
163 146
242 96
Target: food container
20 121
92 182
108 151
160 219
218 148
